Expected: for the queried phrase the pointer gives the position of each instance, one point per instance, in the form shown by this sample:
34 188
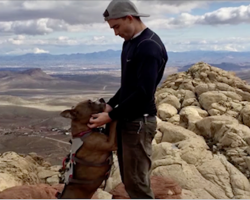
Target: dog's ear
68 114
101 100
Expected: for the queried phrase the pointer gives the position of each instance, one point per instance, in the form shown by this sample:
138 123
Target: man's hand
99 119
108 108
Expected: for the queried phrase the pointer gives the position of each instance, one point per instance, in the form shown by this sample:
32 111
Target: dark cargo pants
134 150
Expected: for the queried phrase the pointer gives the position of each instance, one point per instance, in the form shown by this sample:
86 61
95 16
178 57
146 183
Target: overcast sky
77 26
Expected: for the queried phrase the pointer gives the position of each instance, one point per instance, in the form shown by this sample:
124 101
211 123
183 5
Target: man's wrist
108 108
111 115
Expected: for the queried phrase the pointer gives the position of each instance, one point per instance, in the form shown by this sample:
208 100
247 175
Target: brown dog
91 152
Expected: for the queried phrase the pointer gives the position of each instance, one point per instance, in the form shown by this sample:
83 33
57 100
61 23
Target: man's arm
149 62
115 99
108 108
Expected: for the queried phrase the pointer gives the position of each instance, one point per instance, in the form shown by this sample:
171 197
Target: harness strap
81 137
109 161
85 135
77 181
84 132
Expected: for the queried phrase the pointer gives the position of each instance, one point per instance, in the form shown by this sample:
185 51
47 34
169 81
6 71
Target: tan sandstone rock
162 187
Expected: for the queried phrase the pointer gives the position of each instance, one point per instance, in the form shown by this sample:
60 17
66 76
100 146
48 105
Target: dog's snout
101 100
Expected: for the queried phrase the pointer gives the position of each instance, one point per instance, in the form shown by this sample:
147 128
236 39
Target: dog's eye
90 102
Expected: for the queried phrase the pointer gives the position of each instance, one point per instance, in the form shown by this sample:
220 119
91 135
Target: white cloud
229 15
174 44
183 21
5 26
38 51
98 38
47 26
221 44
45 17
159 8
33 27
20 37
20 51
55 25
17 40
82 12
72 12
62 38
60 41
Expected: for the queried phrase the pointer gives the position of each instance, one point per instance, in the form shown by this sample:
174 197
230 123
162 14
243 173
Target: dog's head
83 110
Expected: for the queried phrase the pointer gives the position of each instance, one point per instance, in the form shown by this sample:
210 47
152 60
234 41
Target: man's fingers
92 120
99 119
95 115
91 125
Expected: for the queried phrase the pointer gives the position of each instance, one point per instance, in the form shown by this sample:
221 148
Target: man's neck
139 28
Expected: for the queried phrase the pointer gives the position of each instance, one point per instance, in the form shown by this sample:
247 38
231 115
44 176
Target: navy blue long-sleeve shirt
143 62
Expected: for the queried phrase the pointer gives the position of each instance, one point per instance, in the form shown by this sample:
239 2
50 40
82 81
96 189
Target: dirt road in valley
53 148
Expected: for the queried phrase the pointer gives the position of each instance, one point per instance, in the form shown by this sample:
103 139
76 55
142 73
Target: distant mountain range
112 58
37 81
31 78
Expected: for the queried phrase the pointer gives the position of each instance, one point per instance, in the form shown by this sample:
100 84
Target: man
143 62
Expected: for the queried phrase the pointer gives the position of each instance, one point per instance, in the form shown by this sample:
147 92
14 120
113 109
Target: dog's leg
110 145
112 135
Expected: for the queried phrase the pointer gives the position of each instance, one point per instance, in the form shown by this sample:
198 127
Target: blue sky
59 27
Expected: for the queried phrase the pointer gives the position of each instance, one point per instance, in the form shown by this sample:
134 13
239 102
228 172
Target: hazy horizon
55 54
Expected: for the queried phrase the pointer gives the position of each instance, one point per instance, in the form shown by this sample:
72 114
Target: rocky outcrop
38 191
31 169
42 191
205 145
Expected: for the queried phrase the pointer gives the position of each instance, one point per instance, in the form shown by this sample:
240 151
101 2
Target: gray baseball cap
121 8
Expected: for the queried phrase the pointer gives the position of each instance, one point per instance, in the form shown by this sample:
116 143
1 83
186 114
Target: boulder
166 111
39 191
208 98
190 115
162 187
245 115
172 133
17 170
172 100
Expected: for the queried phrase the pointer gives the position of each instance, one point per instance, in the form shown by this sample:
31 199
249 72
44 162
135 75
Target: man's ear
68 114
130 17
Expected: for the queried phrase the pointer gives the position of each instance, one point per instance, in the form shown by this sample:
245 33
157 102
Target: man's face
122 27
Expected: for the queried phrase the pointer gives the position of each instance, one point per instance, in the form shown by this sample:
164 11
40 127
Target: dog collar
83 133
